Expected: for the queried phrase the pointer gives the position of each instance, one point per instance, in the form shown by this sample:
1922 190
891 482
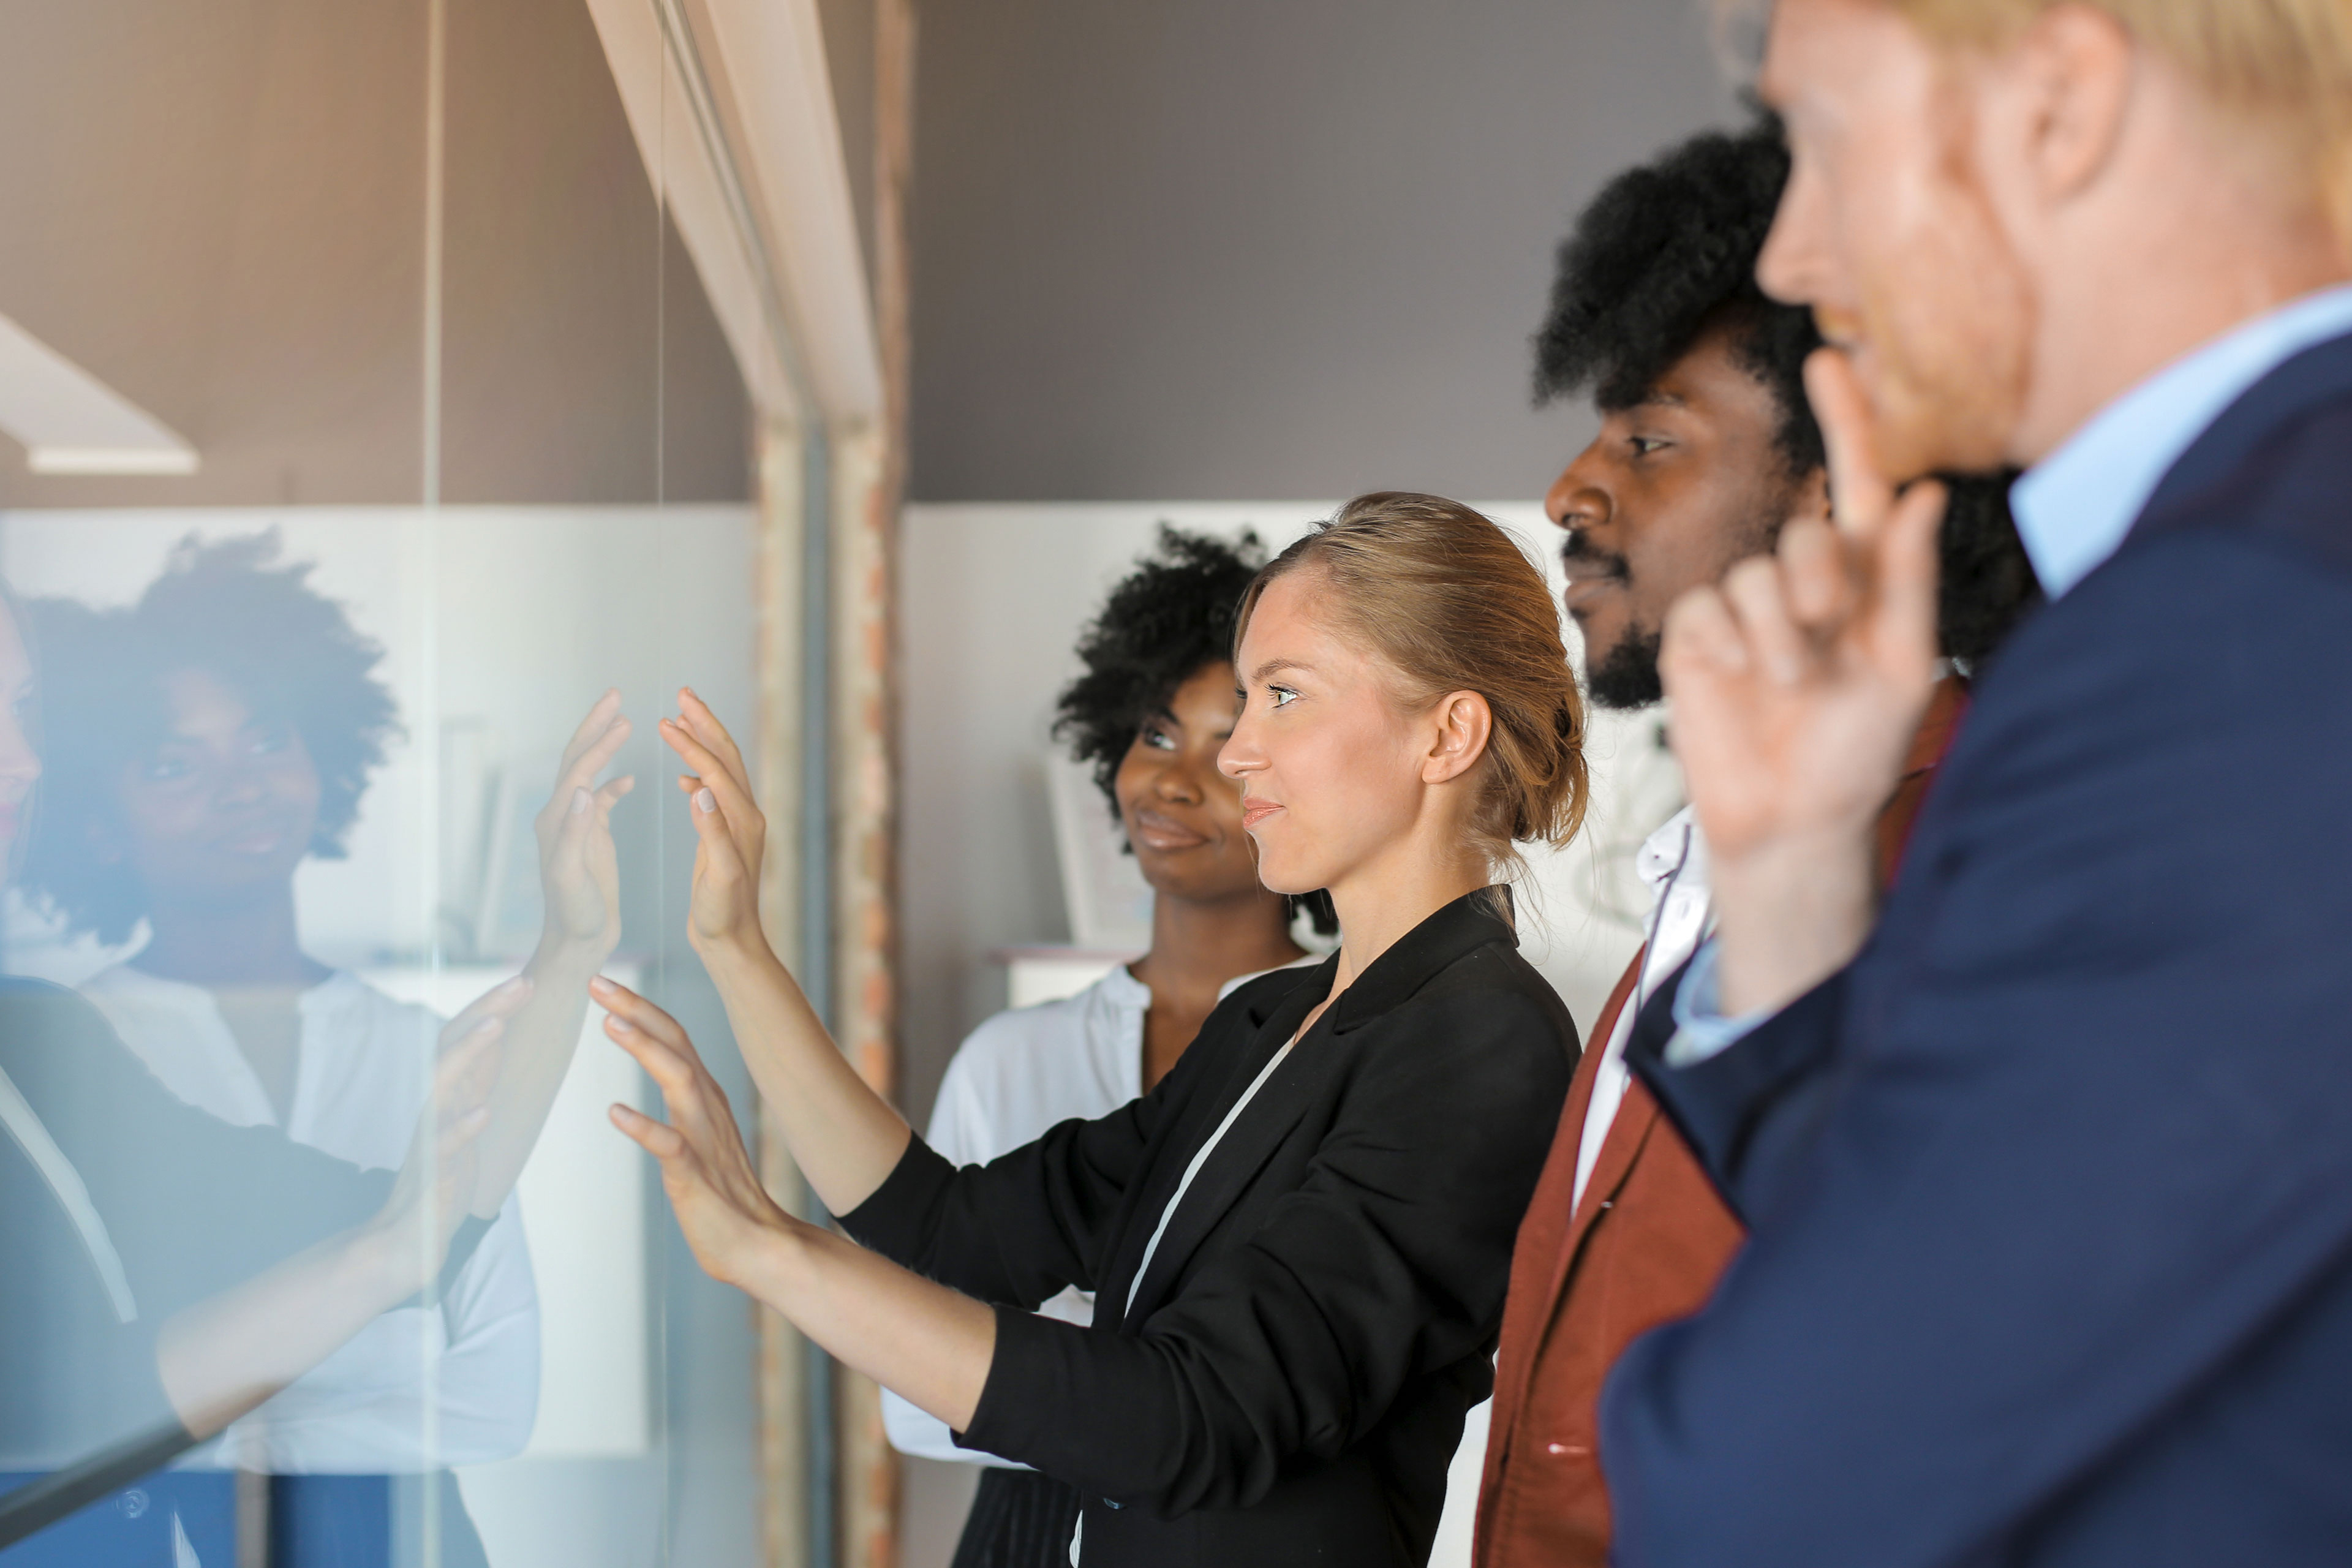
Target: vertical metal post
816 971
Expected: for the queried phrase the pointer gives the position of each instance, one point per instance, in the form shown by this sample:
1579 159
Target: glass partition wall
373 444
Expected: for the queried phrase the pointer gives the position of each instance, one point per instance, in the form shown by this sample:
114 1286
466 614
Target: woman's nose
1178 783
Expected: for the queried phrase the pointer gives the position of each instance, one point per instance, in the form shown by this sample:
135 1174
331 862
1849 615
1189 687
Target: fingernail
599 984
617 1022
579 802
707 801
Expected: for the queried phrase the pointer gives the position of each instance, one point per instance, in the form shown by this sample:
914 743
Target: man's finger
1700 634
1910 564
1860 495
1753 591
1817 571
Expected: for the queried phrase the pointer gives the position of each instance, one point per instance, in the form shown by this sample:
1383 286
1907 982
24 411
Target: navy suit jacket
2051 1189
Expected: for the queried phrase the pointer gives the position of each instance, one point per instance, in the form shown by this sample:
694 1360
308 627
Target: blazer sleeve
1388 1261
1750 1109
1027 1225
2082 1138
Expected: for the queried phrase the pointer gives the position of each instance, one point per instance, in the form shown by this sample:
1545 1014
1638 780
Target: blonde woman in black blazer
1300 1238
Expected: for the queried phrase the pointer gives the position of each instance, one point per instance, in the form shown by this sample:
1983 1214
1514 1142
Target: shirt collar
2076 506
1675 853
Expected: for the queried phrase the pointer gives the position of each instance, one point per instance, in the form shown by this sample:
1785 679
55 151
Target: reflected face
1888 231
20 765
227 802
1328 761
1182 816
1670 494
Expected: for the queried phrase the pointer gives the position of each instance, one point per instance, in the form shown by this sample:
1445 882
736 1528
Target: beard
1626 677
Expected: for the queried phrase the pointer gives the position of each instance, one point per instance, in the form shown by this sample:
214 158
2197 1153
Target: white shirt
1673 863
1021 1073
362 1080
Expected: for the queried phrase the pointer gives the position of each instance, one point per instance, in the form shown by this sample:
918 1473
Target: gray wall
1236 249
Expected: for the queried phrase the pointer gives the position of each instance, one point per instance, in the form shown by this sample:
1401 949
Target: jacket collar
2320 374
1466 924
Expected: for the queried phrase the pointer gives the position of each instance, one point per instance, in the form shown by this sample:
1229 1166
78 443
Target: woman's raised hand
722 1208
729 831
579 873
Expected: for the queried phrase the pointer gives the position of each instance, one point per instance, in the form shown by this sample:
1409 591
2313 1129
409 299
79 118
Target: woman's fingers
624 1004
714 735
722 857
600 716
712 773
656 1138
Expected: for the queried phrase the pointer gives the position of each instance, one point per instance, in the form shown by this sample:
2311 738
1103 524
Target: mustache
1580 552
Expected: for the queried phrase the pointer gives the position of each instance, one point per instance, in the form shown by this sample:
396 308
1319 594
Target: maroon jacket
1644 1248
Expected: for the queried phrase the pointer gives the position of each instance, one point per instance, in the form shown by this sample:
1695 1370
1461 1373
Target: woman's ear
1465 724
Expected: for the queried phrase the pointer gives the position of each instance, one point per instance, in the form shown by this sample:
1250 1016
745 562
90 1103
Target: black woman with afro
222 731
1707 447
1149 711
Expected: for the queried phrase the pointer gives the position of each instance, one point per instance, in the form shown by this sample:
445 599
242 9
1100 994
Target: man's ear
2075 66
1465 724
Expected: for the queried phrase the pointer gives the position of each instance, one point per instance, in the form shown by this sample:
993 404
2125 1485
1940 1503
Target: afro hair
261 629
1666 253
1165 621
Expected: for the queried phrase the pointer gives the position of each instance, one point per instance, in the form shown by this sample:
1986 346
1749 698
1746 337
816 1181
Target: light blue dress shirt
2073 511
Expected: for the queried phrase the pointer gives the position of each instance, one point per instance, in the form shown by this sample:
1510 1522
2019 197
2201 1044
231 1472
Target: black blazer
2051 1189
1290 1383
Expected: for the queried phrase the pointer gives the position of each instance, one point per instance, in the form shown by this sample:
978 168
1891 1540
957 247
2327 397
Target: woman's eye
269 742
1159 740
1283 695
165 769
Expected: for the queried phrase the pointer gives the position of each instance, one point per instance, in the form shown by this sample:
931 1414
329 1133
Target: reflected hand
578 872
730 832
725 1212
437 1183
1797 686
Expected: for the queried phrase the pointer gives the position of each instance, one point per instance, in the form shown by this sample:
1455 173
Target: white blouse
1020 1074
362 1077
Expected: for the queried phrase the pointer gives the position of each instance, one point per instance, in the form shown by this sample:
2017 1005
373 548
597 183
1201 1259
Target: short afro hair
1665 253
290 652
1165 621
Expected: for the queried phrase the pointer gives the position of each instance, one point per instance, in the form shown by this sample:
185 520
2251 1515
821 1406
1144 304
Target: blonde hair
1450 602
2285 65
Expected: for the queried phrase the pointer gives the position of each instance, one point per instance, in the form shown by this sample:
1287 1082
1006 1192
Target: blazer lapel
1270 1029
1460 927
1618 1145
1234 1163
